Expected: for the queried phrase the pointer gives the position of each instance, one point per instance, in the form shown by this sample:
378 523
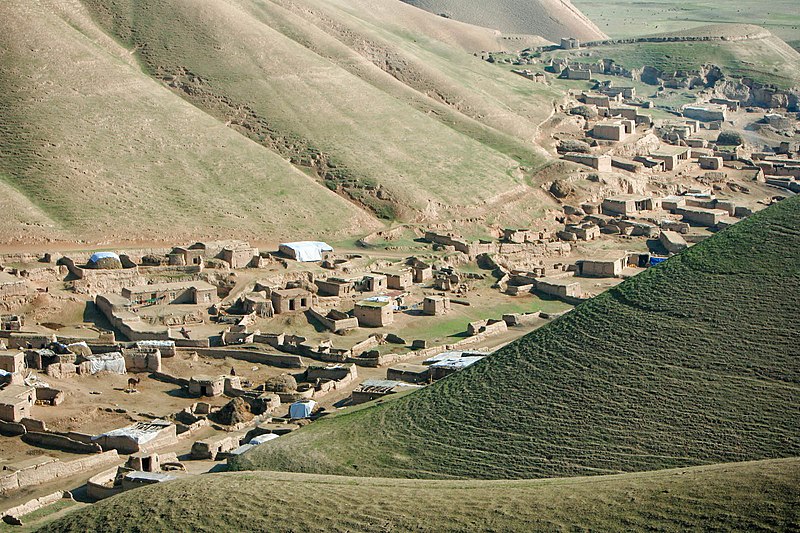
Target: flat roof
14 391
115 299
396 272
457 354
458 363
5 277
695 209
626 197
670 150
149 476
561 282
291 292
608 255
409 367
201 378
371 303
704 107
176 285
386 383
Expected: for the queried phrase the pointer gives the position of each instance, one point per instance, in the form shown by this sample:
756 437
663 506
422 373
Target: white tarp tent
302 409
305 251
97 256
140 432
113 362
261 439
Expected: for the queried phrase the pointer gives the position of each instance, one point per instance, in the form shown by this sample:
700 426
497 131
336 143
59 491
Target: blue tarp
656 260
302 409
97 256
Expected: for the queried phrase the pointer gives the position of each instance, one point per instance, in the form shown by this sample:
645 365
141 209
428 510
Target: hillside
633 18
552 19
746 496
287 118
751 52
693 362
91 145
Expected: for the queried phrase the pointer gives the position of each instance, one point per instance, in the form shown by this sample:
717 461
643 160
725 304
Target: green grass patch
732 497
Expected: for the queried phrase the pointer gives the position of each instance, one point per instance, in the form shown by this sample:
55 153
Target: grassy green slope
92 147
284 82
744 497
692 362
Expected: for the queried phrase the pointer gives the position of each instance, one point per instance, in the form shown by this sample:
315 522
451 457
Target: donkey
132 382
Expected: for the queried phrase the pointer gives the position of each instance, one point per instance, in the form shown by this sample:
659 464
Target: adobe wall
209 448
59 442
101 486
50 395
31 424
279 360
11 429
161 376
142 360
46 472
16 339
34 505
335 326
363 346
166 437
127 445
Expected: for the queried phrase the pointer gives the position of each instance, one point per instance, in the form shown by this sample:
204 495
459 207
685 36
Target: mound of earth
234 412
552 19
692 362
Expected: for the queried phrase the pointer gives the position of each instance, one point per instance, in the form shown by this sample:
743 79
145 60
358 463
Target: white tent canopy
261 439
302 409
113 362
305 251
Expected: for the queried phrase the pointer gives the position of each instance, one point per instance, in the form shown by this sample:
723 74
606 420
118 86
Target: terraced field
693 362
733 497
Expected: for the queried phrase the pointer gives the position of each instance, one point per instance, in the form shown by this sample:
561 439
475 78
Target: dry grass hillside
277 119
92 147
552 19
732 497
692 362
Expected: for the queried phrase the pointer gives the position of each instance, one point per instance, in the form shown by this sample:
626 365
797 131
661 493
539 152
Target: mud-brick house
435 305
291 300
179 292
374 313
16 402
12 360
